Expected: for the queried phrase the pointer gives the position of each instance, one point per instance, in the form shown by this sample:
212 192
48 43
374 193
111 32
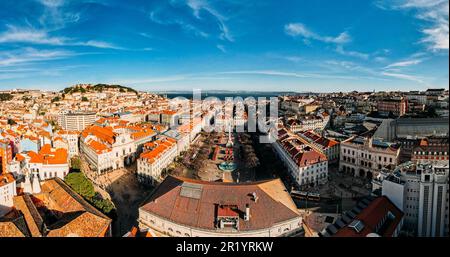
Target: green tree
56 99
104 205
84 99
75 163
84 187
78 182
5 97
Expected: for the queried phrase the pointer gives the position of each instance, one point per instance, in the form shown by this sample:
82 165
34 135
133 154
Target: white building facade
365 157
305 165
421 192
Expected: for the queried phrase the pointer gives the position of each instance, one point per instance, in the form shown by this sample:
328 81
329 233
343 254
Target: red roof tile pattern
199 211
47 155
371 216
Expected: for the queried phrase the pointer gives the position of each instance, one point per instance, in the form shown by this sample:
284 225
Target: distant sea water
222 96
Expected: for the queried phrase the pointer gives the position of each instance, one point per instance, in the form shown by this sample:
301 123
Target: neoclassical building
184 207
366 157
306 165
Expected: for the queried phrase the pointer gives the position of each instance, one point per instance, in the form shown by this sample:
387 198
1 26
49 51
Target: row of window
430 153
367 156
312 172
53 174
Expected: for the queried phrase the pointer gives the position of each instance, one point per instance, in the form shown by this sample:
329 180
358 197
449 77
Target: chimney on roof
247 212
255 197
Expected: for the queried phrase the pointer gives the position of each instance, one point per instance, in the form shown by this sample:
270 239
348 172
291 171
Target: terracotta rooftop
300 153
6 178
70 214
47 155
34 221
97 146
372 218
194 203
13 225
157 149
103 133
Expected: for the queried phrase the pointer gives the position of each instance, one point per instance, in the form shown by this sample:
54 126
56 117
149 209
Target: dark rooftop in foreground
196 203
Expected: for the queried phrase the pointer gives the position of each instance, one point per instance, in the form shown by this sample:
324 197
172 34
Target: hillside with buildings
87 88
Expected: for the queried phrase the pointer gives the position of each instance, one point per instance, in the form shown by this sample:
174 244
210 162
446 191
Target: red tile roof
157 149
47 155
371 216
170 201
6 178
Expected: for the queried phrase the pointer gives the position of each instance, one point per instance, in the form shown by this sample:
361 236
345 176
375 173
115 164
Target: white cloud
185 26
30 35
340 50
289 74
437 37
404 76
380 59
435 13
52 3
221 48
98 44
57 14
200 5
404 63
422 3
293 58
150 80
300 30
266 72
28 55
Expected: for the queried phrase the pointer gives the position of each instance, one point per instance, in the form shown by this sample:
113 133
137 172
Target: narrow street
123 189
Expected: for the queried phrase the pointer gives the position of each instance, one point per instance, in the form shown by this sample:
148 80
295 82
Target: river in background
222 96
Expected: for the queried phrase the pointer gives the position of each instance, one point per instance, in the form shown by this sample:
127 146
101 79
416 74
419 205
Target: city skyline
229 45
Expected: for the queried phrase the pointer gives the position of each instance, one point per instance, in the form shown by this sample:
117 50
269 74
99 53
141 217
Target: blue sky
298 45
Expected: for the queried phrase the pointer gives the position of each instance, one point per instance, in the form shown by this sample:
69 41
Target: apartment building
295 105
398 107
7 192
109 148
326 146
46 164
366 157
306 165
157 156
311 122
431 150
421 191
5 155
75 121
71 139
